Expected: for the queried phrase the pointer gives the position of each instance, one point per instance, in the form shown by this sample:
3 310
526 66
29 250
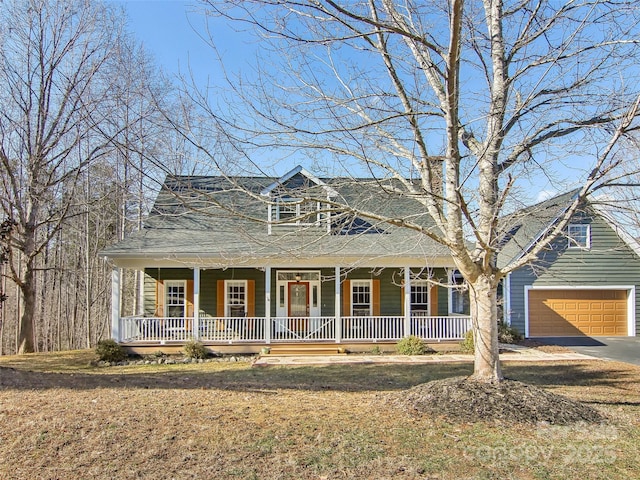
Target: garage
576 312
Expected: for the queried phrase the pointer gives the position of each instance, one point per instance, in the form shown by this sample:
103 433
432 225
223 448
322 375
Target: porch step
305 350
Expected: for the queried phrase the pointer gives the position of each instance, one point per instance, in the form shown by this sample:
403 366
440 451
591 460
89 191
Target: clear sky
172 31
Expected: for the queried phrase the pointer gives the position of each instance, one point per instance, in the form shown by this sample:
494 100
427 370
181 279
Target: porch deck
261 330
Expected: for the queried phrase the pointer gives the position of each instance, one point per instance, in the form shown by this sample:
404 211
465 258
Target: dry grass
63 419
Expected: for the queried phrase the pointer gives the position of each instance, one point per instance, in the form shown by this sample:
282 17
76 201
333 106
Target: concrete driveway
620 349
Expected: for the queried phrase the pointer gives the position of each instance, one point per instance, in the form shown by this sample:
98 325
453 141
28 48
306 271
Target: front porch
265 331
248 308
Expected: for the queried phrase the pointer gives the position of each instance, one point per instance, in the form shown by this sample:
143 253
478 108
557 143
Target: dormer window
579 235
287 200
293 211
286 211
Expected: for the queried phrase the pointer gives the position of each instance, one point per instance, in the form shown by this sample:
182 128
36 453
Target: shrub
508 334
376 351
195 349
411 345
110 351
467 345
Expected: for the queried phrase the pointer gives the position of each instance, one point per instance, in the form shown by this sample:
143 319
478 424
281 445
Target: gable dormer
298 199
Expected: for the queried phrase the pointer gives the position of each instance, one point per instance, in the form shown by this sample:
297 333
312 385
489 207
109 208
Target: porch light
298 277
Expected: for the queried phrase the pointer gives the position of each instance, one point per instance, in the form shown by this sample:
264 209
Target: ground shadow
579 341
345 378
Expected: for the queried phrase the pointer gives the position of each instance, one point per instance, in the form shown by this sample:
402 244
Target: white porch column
407 301
506 299
338 307
196 303
115 304
267 304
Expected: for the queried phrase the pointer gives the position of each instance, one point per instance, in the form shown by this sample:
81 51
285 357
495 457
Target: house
245 262
584 284
240 263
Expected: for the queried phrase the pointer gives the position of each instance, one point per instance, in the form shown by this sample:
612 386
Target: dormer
298 198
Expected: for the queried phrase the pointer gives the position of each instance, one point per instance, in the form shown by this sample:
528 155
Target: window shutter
251 298
220 298
375 297
159 311
402 300
189 312
346 298
433 300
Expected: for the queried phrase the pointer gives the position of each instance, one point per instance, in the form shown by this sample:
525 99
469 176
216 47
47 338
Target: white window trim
572 243
227 305
298 202
175 283
452 274
361 282
421 283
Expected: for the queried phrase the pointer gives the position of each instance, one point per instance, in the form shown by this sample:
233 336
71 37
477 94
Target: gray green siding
609 262
390 290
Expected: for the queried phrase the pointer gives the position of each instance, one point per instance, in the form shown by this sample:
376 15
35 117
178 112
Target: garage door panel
577 312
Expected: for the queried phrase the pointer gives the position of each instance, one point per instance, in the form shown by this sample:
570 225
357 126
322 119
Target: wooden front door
298 306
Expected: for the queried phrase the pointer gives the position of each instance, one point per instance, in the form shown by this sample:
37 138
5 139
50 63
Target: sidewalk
516 354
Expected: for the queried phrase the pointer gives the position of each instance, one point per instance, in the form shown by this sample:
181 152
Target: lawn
64 419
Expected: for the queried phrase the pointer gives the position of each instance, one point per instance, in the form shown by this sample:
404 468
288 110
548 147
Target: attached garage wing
569 312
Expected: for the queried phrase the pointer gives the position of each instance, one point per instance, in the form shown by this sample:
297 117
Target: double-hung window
295 211
236 298
361 298
175 295
419 297
458 294
579 235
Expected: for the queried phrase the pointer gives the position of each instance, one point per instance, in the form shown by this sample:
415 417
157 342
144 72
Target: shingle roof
226 218
526 225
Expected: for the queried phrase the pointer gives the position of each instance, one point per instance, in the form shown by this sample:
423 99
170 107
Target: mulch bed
467 400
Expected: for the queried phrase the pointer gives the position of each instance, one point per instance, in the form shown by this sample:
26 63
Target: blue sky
171 32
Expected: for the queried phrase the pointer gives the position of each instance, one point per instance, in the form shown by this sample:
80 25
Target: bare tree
474 99
58 63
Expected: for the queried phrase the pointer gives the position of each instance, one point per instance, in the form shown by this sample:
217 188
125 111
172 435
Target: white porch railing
372 328
232 330
156 329
440 328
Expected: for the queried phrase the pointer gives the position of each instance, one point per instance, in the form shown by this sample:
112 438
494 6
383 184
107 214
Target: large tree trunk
26 330
484 310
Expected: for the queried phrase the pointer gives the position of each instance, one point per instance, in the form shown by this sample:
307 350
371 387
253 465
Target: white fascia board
186 261
537 238
267 190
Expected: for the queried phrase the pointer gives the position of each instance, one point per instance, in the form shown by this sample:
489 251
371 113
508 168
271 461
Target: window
579 235
419 297
286 211
295 211
175 299
458 294
361 297
236 298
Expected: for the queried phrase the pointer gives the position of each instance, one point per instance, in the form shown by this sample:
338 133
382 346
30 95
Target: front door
298 306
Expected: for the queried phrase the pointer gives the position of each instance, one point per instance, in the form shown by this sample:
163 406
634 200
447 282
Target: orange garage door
556 313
